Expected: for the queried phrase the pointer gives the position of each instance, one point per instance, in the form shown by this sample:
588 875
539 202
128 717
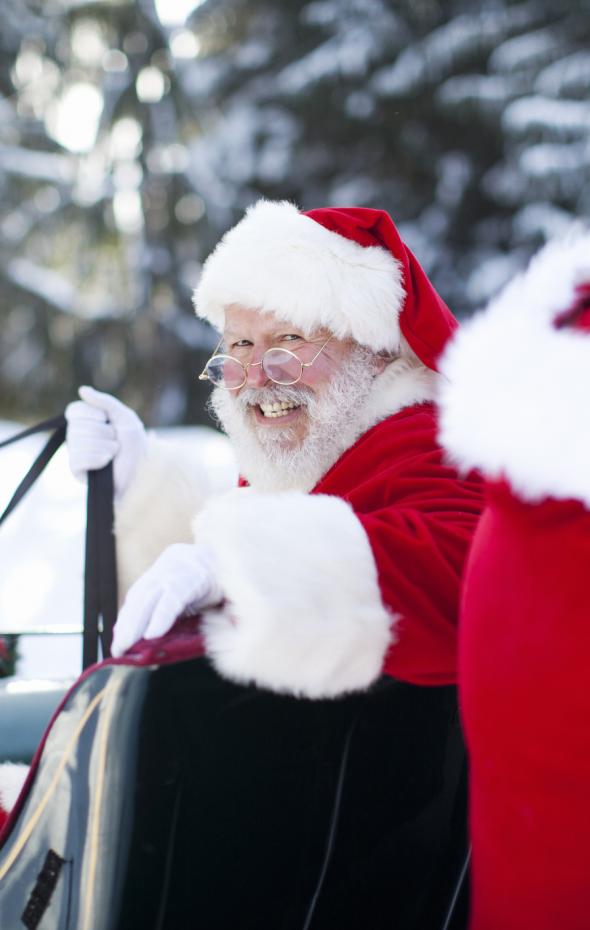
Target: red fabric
523 666
578 315
419 517
425 320
3 817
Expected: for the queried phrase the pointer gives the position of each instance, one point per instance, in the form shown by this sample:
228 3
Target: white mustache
269 395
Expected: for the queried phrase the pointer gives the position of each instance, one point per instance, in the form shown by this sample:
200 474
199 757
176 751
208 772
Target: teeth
278 408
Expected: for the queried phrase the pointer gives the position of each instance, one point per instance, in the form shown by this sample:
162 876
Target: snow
487 279
41 551
570 75
201 79
40 166
557 119
532 49
489 93
546 159
338 13
360 105
542 220
249 143
47 284
445 48
547 170
455 173
352 190
362 31
323 13
346 55
253 54
420 242
42 547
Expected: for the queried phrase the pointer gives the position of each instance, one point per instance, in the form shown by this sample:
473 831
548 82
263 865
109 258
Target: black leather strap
100 573
58 425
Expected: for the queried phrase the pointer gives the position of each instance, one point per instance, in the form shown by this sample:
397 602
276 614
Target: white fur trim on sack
12 778
517 400
170 486
277 260
304 613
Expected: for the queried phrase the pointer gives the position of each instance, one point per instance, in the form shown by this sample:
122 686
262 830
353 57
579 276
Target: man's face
288 436
247 336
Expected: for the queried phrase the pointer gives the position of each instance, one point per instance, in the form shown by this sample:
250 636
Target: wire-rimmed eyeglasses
281 366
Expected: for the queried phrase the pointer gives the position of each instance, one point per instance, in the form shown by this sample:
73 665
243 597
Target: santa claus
339 557
517 407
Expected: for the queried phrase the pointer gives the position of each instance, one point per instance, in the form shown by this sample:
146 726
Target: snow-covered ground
42 549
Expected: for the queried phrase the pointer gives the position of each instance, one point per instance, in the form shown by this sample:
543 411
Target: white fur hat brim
280 261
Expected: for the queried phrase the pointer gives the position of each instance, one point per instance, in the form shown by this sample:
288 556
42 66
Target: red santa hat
515 401
345 269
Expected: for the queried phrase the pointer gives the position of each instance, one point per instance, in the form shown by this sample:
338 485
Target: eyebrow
280 331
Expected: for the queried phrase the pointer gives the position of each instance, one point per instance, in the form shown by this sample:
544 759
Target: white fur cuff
304 612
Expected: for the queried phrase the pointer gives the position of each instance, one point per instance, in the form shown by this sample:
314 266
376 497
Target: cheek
320 373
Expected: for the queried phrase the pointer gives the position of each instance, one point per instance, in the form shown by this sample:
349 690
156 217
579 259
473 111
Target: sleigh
163 797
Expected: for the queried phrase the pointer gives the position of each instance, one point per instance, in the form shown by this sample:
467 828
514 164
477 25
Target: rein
100 572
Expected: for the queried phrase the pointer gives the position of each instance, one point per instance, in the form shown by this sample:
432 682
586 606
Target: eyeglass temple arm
319 351
303 364
204 376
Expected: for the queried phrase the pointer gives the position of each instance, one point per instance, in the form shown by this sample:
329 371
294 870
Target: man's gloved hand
181 580
102 429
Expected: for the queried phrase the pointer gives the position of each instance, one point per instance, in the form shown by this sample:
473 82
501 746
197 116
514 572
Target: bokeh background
133 134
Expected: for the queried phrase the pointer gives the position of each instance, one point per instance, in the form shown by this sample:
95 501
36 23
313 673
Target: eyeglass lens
281 366
278 364
225 372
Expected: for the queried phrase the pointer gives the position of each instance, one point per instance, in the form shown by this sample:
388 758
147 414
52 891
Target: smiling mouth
278 409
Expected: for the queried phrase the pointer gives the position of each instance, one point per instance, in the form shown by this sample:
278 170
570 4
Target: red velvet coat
419 517
327 590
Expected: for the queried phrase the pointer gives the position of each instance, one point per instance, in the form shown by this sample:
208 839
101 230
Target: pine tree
468 122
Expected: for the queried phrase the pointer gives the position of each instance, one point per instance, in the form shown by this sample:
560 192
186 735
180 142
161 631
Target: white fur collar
402 384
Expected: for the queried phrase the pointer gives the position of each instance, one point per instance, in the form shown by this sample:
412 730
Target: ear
381 363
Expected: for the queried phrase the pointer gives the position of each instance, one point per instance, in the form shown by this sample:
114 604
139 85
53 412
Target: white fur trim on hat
278 260
304 613
517 400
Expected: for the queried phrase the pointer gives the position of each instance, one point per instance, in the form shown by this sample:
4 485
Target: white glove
101 429
181 580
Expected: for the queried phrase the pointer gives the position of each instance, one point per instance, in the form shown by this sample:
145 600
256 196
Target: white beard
269 458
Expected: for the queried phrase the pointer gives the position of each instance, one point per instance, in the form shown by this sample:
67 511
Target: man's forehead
239 319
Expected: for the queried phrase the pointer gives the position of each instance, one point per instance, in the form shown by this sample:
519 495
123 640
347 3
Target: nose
256 376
